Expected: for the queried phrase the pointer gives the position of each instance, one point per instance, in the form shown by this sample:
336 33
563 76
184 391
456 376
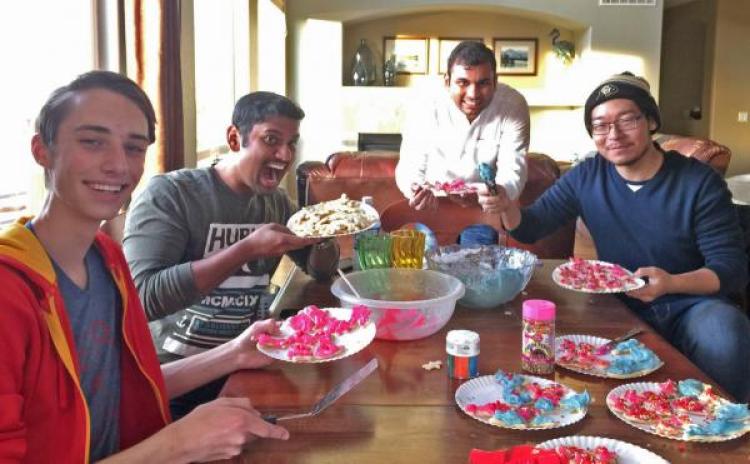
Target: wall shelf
536 98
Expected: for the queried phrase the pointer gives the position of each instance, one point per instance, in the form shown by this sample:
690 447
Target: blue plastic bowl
492 274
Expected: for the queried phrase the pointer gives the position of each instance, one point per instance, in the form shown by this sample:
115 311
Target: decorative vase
389 71
363 66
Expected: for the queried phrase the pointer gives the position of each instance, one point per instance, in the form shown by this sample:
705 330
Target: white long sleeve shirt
440 144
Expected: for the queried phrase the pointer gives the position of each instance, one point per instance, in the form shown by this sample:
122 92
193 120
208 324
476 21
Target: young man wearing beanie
667 217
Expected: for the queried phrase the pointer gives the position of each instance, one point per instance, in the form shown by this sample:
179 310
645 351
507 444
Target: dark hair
258 107
471 53
57 106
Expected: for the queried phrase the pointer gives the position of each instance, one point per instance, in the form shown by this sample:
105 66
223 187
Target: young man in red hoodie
79 377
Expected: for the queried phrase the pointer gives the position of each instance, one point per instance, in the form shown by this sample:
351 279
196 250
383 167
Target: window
271 47
222 72
47 49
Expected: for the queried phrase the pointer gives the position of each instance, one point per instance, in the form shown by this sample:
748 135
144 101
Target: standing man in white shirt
476 120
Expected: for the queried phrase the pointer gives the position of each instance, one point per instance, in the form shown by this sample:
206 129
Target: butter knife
337 392
607 347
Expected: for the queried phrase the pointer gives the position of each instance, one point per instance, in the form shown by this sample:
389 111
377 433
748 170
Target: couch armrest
304 171
542 172
714 154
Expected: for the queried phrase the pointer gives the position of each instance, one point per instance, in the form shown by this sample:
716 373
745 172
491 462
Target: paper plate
471 189
486 389
598 372
294 222
641 387
352 342
623 288
626 453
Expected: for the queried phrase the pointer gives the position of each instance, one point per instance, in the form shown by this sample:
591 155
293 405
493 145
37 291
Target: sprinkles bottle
462 347
538 337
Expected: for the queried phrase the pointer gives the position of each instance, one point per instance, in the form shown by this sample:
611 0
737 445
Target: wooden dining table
403 413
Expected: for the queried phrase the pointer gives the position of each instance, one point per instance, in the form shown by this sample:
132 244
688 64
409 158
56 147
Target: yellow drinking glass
407 248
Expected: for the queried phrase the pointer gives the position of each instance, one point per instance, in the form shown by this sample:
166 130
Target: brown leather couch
356 173
373 173
714 154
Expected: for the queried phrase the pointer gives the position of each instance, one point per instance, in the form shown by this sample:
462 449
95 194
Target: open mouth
272 173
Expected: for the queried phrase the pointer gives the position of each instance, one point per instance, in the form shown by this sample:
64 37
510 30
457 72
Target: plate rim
657 459
604 374
371 212
649 429
367 328
576 417
556 271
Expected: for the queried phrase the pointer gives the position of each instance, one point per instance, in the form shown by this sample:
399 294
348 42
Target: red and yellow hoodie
43 413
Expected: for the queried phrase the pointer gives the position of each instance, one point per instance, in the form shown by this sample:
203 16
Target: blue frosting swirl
509 417
690 387
544 404
576 402
631 356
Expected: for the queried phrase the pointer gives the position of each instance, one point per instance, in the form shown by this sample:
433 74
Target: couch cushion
355 173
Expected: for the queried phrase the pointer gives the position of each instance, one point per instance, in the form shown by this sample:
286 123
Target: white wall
319 54
609 40
271 57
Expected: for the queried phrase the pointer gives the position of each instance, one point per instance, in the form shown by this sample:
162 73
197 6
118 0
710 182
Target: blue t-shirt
94 314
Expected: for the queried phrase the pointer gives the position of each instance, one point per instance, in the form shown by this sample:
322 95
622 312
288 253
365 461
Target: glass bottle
363 65
389 71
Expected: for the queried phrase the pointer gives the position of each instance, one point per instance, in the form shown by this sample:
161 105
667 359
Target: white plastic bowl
406 304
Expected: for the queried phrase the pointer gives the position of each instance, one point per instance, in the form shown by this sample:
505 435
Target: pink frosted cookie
595 276
526 403
576 455
684 410
313 333
580 355
454 187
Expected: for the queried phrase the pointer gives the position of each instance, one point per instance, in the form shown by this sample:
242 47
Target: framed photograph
516 57
411 54
445 47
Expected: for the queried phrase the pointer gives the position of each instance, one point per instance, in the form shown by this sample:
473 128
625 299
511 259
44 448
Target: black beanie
624 85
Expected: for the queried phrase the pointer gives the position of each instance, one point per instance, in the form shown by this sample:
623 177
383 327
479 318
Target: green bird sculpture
564 49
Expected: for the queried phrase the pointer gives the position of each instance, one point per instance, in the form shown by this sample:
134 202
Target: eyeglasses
627 123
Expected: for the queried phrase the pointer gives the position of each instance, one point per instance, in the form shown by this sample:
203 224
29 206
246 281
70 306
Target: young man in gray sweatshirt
202 244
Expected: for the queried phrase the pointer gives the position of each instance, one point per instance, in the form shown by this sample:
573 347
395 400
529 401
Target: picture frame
446 46
412 53
516 56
